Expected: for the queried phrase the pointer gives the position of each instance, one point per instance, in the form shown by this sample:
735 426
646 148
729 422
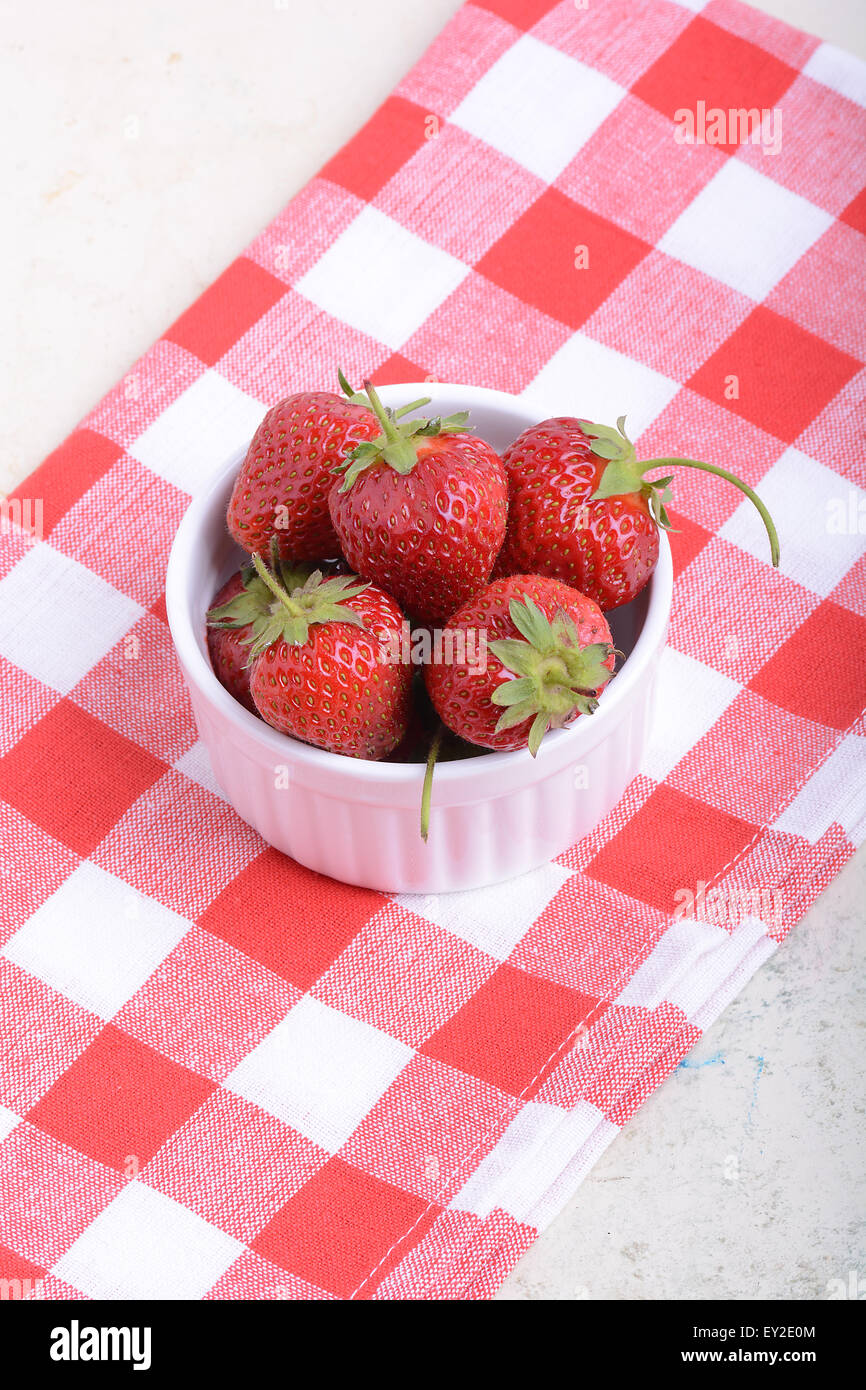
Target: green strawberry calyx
281 604
625 474
554 675
361 398
395 446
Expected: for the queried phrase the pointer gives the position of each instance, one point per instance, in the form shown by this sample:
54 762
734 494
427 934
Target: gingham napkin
224 1077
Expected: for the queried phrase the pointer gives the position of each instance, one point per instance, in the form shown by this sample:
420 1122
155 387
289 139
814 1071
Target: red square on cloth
51 1194
66 474
523 14
562 258
699 842
397 369
430 1129
292 920
344 1230
714 66
74 776
797 678
855 213
380 148
512 1030
785 376
233 1164
119 1101
226 310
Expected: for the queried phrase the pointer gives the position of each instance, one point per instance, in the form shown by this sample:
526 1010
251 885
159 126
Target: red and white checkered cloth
224 1077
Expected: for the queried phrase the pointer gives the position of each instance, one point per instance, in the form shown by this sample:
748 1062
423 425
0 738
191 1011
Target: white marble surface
144 146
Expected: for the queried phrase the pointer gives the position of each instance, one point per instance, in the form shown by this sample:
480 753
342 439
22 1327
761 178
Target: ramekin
493 817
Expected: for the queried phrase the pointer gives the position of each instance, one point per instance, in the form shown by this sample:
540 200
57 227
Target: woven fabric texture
225 1077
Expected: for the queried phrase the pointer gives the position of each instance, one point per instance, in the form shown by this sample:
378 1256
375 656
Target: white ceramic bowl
493 816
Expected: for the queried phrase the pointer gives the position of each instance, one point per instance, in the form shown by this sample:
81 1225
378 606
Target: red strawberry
283 485
549 654
422 511
240 602
324 662
228 646
582 510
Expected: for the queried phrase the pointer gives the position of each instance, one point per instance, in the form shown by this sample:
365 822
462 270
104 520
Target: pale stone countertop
144 146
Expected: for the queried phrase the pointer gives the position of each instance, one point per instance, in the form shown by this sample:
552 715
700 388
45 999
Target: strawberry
283 485
583 511
230 623
323 659
421 511
549 654
228 646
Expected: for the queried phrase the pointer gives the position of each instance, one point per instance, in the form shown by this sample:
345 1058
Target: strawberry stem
427 792
294 609
731 478
624 474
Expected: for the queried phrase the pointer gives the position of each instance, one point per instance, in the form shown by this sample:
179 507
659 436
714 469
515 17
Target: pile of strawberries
361 521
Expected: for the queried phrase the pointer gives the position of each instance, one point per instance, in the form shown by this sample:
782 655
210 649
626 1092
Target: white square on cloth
519 1171
96 940
745 229
837 68
689 962
8 1121
320 1071
197 435
144 1245
585 375
58 618
689 697
818 544
382 279
538 106
494 919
